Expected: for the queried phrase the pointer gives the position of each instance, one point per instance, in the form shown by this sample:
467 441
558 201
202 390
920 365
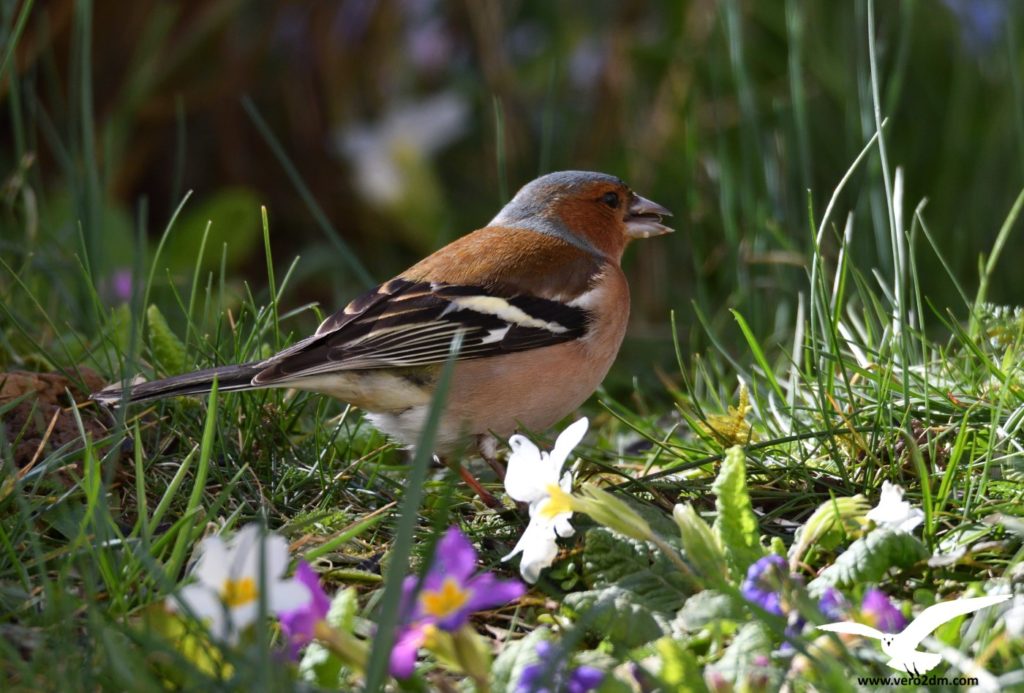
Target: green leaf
701 545
612 560
736 525
318 664
869 558
680 671
233 215
705 608
168 351
611 511
618 616
737 663
828 526
515 656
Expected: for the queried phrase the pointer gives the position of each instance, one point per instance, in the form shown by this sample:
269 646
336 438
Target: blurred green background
410 122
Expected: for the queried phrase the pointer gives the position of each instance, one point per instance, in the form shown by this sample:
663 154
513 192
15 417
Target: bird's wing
937 614
406 323
852 628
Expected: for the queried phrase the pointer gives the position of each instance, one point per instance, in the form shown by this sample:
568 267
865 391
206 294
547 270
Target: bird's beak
643 218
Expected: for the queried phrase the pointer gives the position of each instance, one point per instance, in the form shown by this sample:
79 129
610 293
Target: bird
537 295
902 647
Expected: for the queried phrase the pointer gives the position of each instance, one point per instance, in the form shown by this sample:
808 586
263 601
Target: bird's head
593 210
888 639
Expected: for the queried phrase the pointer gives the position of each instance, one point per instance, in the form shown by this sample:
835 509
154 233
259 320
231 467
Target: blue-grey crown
532 199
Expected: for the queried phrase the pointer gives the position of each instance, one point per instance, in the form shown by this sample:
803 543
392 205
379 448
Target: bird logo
902 647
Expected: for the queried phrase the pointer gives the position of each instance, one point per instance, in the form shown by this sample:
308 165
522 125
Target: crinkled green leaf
618 616
705 608
515 656
344 608
737 662
736 525
610 559
168 351
869 558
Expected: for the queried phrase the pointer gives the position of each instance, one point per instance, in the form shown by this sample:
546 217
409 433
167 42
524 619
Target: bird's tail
229 378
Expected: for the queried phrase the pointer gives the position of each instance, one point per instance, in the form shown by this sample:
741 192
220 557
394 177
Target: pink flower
450 591
299 624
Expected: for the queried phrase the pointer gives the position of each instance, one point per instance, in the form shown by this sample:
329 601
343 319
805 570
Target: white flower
892 512
227 593
382 154
533 477
1014 617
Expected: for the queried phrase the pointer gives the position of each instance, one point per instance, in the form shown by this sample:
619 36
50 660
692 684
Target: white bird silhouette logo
902 647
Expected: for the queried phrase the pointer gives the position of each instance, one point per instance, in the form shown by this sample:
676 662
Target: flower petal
881 613
211 568
893 512
566 442
321 603
243 556
242 617
524 479
538 547
584 679
454 557
198 599
299 624
562 526
403 653
287 595
487 592
251 546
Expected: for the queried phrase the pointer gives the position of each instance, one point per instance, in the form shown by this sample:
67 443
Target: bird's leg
486 496
487 445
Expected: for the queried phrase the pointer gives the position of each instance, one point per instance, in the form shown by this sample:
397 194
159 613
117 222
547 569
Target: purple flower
833 604
299 625
880 612
552 675
981 22
449 593
118 286
407 644
764 582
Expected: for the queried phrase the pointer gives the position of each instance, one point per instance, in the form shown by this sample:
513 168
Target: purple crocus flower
448 594
878 610
552 675
833 604
764 582
299 625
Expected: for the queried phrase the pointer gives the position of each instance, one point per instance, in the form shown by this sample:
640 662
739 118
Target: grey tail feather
229 378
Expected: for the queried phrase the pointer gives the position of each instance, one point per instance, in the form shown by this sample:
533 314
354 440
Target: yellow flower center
558 502
429 635
239 592
444 601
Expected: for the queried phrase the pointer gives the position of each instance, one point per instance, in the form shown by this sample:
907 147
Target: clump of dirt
26 424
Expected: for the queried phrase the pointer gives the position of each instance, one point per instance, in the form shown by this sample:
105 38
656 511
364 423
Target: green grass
861 371
101 528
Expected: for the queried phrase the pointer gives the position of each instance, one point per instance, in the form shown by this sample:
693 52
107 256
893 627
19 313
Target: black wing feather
406 324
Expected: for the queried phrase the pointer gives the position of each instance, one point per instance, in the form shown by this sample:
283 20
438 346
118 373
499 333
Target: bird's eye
611 199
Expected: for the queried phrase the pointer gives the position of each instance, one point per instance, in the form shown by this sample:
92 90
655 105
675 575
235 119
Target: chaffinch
537 293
